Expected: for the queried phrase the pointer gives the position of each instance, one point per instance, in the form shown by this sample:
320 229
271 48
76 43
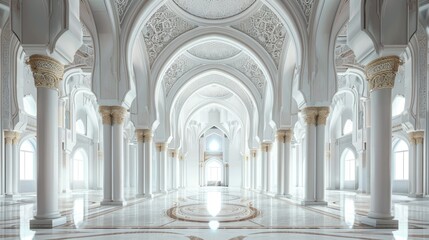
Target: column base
148 195
314 203
380 223
284 196
47 223
11 196
113 203
416 195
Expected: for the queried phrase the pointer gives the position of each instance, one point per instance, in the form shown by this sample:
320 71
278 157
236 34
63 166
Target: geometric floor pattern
214 213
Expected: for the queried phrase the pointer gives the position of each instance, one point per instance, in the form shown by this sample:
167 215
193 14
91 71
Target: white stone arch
79 184
343 183
197 78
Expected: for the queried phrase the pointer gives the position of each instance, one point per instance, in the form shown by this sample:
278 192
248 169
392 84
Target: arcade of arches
214 119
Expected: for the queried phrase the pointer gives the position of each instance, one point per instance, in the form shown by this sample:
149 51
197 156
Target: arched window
401 160
398 105
78 166
80 127
26 161
348 127
30 106
349 166
214 169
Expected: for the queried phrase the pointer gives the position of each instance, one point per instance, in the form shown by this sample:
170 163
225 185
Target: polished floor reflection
214 213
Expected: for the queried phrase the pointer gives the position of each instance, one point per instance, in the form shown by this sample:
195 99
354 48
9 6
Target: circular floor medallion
200 213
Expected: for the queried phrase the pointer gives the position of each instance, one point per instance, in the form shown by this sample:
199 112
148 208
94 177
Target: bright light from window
401 161
398 105
349 165
26 161
78 166
80 127
30 106
348 127
214 146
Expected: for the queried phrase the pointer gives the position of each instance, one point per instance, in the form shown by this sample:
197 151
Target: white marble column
66 170
126 162
15 163
175 167
47 73
416 164
118 117
107 154
147 138
140 163
381 76
323 113
280 160
9 136
310 115
182 170
162 149
254 173
266 158
286 163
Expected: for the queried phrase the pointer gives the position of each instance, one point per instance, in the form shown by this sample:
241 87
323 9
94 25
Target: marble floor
214 213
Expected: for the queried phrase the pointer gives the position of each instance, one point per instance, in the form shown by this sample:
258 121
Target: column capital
118 114
140 135
161 147
266 147
47 72
416 137
289 135
381 72
9 136
310 115
105 115
147 135
323 113
253 152
17 137
281 134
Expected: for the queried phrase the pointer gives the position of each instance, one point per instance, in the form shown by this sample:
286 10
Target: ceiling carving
214 50
179 67
307 7
122 7
162 28
214 9
266 28
246 65
243 63
215 91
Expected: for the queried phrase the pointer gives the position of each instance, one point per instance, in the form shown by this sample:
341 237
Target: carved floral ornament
381 72
47 72
416 137
315 115
113 114
12 137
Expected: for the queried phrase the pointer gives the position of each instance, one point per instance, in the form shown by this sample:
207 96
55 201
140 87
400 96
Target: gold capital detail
147 134
118 114
323 113
140 135
253 152
288 135
16 139
381 72
310 115
161 147
9 136
47 72
281 135
266 147
416 137
105 115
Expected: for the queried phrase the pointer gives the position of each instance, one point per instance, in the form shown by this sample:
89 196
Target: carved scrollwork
47 72
381 72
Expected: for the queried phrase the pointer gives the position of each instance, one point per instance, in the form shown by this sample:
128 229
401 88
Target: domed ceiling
214 91
214 50
214 9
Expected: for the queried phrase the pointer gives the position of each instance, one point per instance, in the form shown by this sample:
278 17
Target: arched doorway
214 173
